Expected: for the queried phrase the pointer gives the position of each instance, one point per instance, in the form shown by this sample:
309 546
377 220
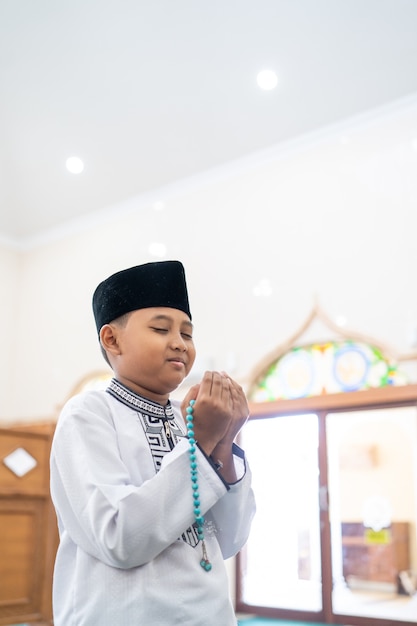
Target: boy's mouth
177 361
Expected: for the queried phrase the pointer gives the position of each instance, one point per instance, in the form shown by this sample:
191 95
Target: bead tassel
199 519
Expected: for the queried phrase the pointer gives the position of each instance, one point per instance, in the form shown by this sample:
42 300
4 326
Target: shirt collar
137 402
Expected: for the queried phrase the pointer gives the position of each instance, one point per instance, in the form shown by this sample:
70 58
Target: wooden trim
378 397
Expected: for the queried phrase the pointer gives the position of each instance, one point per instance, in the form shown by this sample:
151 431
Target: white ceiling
149 92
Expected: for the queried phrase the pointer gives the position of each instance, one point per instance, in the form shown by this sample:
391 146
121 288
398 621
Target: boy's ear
109 339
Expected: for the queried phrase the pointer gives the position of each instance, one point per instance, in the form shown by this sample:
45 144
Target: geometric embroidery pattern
156 430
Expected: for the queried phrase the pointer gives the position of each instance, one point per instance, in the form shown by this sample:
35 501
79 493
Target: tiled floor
263 621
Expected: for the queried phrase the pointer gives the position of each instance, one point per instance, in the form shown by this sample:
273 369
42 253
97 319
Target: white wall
331 216
9 282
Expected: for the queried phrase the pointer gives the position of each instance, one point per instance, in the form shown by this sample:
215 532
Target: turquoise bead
199 519
206 565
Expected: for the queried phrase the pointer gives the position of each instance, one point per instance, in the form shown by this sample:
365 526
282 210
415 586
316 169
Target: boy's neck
142 392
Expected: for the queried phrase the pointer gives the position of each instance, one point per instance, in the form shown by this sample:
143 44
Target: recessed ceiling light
158 250
159 205
74 165
263 289
267 80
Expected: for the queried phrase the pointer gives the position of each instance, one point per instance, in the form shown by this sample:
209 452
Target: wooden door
28 530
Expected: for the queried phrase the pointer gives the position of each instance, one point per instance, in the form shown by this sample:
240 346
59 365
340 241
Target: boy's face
154 351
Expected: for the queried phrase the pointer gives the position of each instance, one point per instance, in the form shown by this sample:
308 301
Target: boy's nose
178 343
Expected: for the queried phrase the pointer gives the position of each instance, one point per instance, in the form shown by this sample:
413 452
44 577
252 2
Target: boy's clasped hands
220 411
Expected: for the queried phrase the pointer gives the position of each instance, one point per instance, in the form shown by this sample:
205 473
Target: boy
147 515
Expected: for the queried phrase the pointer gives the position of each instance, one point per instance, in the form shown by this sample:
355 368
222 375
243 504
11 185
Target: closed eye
159 330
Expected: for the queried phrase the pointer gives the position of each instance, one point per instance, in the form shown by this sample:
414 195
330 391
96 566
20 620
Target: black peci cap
158 284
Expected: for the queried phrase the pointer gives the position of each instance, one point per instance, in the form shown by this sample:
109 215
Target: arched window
344 361
327 367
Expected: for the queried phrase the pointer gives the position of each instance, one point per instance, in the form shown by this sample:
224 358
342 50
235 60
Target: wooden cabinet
28 537
375 557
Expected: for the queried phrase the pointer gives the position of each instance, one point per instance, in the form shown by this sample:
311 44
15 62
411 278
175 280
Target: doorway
334 538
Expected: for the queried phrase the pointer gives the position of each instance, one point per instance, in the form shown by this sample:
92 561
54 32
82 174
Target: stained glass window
322 368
